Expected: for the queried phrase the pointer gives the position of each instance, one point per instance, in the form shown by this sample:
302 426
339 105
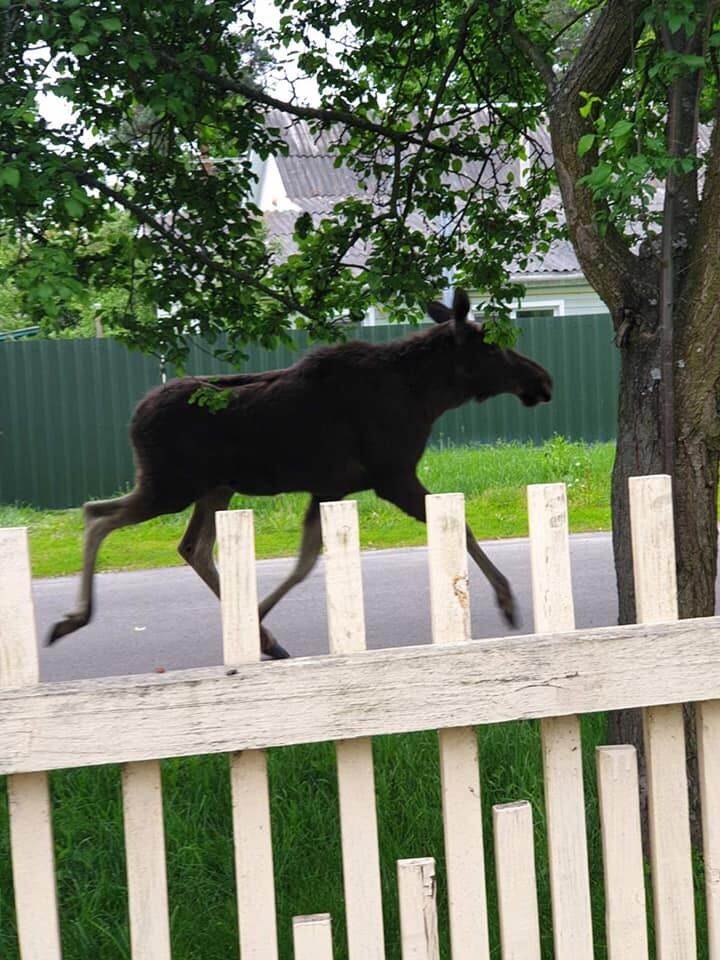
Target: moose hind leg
196 548
409 494
101 518
310 547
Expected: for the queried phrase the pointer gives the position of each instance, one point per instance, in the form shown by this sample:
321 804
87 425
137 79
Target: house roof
310 182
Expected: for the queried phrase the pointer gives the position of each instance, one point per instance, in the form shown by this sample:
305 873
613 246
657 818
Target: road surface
167 618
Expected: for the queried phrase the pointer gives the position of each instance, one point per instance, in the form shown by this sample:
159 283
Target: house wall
568 299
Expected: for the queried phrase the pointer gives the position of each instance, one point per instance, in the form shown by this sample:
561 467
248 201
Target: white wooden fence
353 694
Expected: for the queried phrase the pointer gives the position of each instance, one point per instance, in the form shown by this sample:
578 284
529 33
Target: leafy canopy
434 106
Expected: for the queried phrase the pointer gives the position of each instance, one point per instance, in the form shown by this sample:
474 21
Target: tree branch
535 55
612 269
196 254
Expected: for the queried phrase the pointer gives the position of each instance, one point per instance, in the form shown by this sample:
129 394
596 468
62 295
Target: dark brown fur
344 418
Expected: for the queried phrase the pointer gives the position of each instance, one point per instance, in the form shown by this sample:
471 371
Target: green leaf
80 49
10 176
77 21
111 24
600 175
675 21
638 164
74 208
692 60
585 143
621 129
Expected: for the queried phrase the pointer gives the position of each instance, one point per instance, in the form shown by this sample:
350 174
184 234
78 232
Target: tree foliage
427 106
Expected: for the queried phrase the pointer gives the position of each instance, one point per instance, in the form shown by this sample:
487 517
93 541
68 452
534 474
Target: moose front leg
497 580
409 494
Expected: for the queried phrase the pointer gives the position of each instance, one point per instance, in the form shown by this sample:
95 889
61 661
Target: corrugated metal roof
315 185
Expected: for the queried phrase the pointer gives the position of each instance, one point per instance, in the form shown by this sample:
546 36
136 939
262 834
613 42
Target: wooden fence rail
452 686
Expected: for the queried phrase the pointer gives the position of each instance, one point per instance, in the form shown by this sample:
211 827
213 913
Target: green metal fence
65 404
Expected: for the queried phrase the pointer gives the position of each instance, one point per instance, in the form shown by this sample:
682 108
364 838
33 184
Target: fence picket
708 737
248 769
312 937
562 748
31 833
355 771
145 857
625 919
459 766
418 909
515 874
651 524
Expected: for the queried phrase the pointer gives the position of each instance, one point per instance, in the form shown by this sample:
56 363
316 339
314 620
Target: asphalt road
168 618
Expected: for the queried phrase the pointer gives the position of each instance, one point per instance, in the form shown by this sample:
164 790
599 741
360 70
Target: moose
343 418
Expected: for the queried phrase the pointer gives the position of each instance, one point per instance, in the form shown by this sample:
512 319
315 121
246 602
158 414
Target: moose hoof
506 602
68 624
270 647
511 617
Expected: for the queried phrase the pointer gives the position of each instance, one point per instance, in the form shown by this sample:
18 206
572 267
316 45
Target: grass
493 480
90 854
308 870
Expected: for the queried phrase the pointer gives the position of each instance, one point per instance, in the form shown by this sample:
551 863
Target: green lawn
493 480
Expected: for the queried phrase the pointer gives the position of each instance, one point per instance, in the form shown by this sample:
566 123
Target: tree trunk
695 486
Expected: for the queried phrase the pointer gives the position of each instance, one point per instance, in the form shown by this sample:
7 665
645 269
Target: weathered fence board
619 797
459 764
145 861
30 810
355 771
252 832
312 937
708 738
417 891
515 870
653 543
562 749
183 713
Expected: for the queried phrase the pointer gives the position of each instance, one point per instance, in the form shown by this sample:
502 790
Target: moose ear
439 312
460 310
461 305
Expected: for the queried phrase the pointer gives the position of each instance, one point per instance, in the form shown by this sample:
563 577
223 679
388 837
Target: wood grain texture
238 586
515 873
31 831
19 665
708 736
550 557
619 798
562 748
653 546
355 771
145 861
447 559
185 713
252 832
651 517
343 577
417 894
459 765
254 875
312 937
